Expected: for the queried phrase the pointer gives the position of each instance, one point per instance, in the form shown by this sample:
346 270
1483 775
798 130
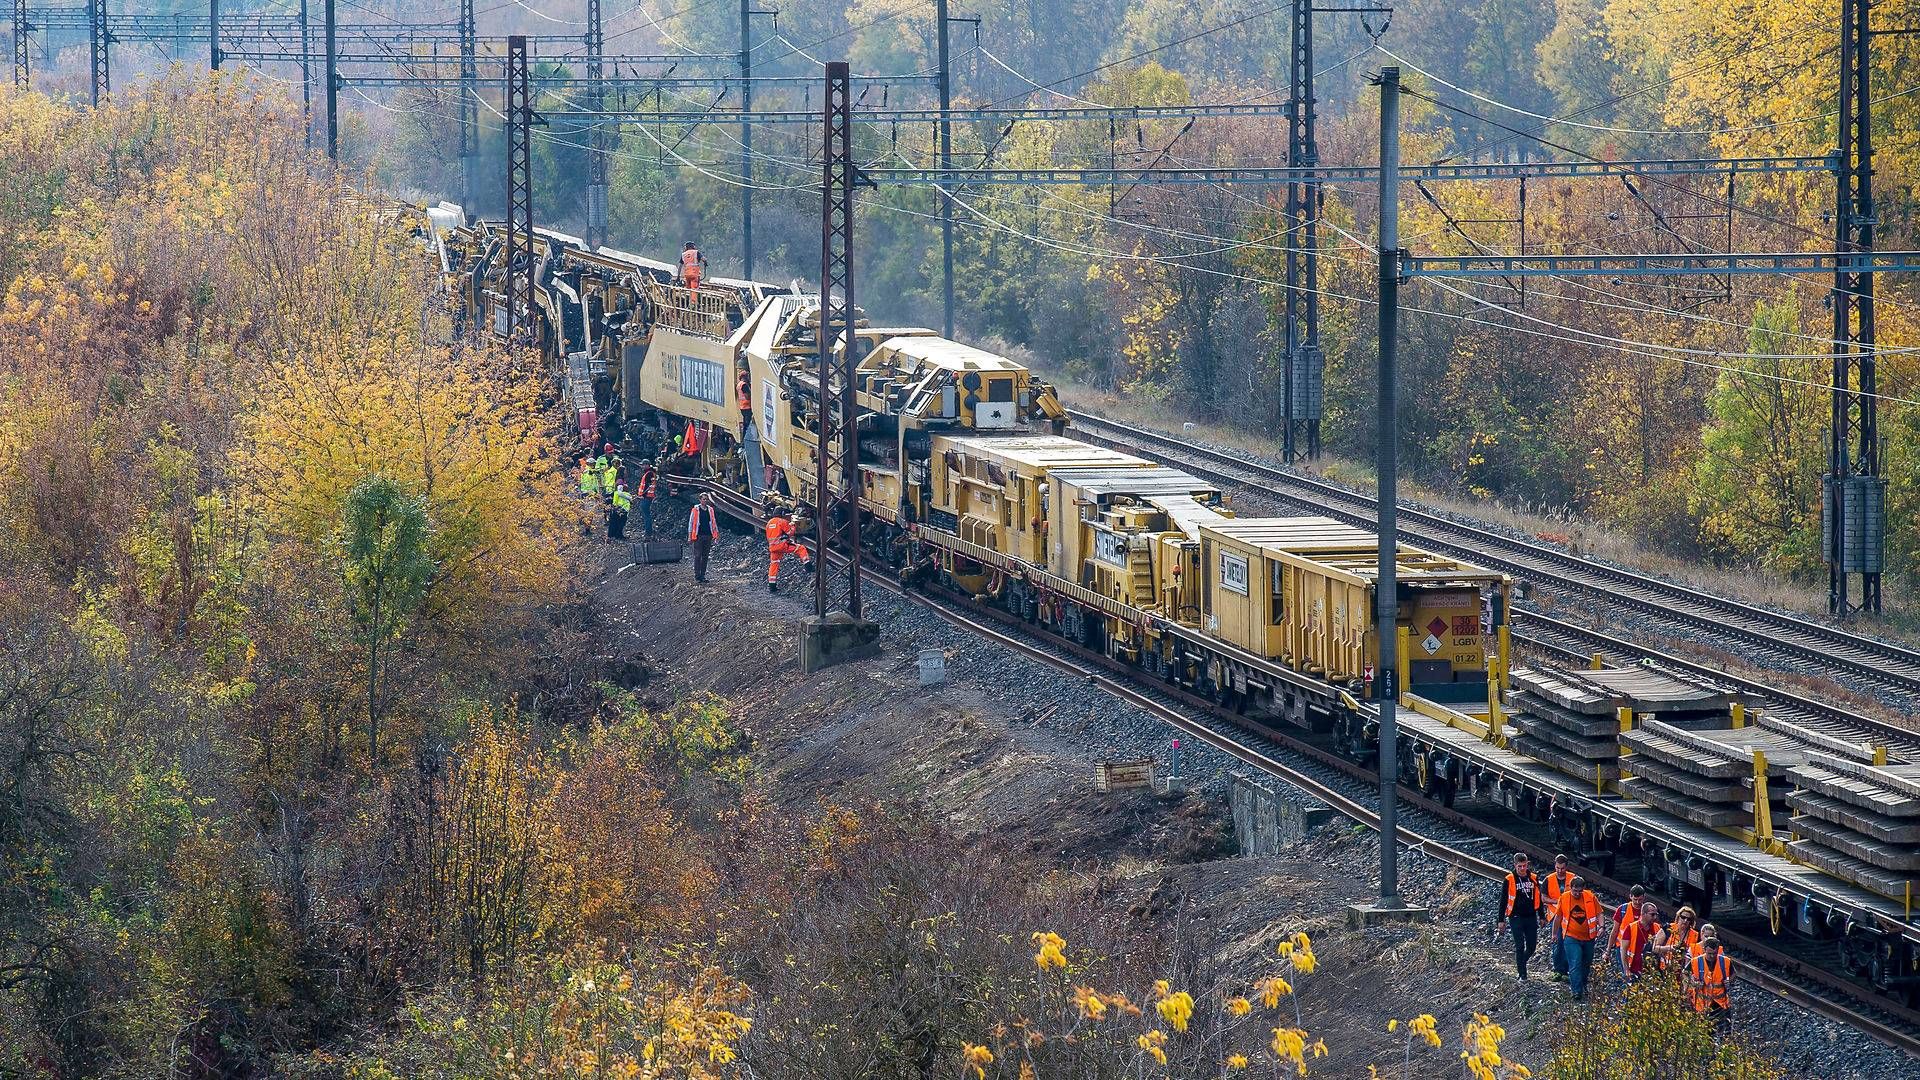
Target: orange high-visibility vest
778 527
690 443
1554 887
690 261
1688 948
740 393
694 523
1634 940
1580 919
646 483
1513 891
1711 973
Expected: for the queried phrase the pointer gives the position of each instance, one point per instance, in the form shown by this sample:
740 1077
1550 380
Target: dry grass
1561 528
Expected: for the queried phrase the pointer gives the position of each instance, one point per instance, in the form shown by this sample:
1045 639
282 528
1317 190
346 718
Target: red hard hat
609 448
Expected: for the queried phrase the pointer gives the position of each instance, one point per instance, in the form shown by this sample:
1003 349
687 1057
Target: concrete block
659 551
1373 913
836 639
1266 820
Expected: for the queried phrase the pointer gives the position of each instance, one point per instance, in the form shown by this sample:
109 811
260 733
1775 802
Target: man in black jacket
1520 906
702 530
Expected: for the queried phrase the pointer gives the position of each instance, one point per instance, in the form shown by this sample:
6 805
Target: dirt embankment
1005 752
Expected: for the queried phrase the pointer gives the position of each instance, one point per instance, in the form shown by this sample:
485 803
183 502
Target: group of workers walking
1633 936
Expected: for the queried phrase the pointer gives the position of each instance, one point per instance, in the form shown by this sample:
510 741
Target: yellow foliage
1050 954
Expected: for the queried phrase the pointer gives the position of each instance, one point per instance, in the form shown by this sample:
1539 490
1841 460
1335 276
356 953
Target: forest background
1688 414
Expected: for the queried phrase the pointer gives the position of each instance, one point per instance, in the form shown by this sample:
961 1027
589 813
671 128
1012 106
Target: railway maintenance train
964 475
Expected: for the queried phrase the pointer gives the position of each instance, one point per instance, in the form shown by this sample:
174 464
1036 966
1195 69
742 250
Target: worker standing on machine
745 401
780 543
693 266
1520 907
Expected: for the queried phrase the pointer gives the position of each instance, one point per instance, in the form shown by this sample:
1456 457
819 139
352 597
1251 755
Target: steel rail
1903 1039
1114 678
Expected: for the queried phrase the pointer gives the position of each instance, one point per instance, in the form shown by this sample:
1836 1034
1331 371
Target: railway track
1454 837
1451 836
1794 644
1574 643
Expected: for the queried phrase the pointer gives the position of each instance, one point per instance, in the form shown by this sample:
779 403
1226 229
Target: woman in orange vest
1579 919
1674 946
1708 976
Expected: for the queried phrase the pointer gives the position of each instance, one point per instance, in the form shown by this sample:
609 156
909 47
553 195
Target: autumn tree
383 556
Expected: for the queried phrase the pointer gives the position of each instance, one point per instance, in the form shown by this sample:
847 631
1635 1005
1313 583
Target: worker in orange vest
1636 940
1579 926
1521 907
692 266
1674 946
745 401
1708 976
1552 888
703 528
780 543
690 442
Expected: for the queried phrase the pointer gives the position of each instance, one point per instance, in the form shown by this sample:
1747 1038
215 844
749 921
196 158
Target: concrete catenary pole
1386 602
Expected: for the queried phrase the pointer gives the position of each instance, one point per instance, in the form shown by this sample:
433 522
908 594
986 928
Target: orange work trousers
776 549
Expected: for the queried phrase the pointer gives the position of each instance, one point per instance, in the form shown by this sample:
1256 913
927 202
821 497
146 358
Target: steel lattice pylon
1854 502
519 190
97 50
21 47
469 115
1300 421
838 439
597 142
